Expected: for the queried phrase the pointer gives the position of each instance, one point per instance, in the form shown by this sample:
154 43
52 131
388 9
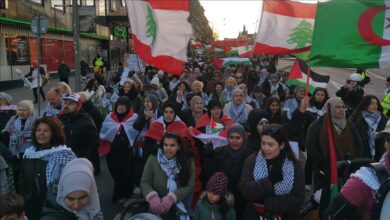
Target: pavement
104 180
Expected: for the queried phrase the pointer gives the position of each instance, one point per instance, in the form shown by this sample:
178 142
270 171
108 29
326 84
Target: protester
117 141
65 88
258 98
63 72
108 101
272 180
169 177
197 90
159 89
37 80
128 89
256 123
81 133
230 160
227 94
346 141
368 120
292 104
351 93
43 163
55 104
217 91
95 92
273 87
12 207
237 109
357 196
7 110
179 93
273 109
77 196
194 113
216 202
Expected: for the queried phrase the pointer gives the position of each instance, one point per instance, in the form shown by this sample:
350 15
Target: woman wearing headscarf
116 142
368 119
77 196
257 121
168 178
230 159
237 109
272 179
43 163
332 129
146 115
227 94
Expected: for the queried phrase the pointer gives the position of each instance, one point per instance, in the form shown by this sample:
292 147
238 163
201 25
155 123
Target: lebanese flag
244 51
298 76
350 34
286 27
157 128
196 44
161 32
225 62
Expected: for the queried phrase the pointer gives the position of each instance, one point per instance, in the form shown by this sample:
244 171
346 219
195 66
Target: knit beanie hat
218 184
237 128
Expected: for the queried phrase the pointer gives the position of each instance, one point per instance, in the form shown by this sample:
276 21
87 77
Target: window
3 4
17 50
56 4
101 8
87 2
37 1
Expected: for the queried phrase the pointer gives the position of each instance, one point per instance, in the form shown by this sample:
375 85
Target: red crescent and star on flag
366 30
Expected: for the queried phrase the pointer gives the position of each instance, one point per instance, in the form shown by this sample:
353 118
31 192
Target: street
104 181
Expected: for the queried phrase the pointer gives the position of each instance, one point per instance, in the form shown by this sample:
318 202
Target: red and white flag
161 32
286 27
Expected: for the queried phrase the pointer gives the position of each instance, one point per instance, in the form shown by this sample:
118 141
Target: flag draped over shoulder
285 27
352 33
298 76
161 32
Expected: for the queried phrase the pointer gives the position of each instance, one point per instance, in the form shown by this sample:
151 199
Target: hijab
338 123
123 100
78 175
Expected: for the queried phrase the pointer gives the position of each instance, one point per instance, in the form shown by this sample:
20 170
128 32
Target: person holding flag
331 138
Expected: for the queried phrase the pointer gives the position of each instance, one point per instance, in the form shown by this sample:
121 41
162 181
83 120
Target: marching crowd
235 143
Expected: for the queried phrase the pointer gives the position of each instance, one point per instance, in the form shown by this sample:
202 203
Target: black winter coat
81 134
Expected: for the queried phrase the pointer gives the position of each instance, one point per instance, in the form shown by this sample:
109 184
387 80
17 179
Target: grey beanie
237 128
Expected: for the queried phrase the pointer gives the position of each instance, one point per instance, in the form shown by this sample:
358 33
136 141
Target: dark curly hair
56 127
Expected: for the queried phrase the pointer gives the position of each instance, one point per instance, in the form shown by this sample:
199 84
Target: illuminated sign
120 31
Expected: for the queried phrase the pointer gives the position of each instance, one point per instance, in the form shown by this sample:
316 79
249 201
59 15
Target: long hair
363 105
275 131
278 116
56 128
183 156
312 98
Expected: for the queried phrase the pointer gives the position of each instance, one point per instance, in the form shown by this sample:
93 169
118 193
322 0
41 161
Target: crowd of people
235 143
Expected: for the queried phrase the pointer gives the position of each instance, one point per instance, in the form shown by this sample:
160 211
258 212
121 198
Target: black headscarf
123 100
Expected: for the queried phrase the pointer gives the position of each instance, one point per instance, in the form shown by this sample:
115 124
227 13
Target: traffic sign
39 24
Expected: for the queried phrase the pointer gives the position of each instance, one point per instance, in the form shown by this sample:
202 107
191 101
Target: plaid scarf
372 120
283 187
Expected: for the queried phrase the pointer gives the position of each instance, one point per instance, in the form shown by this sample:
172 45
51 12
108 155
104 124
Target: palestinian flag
225 62
298 76
215 127
218 139
354 33
244 51
161 32
286 27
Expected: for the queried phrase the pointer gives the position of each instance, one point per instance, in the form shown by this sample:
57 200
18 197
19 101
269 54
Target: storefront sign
120 31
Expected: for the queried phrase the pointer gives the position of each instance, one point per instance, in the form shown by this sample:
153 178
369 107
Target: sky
229 17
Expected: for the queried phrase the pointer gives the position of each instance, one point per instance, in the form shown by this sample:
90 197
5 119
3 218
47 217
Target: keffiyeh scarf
237 113
283 187
372 120
171 169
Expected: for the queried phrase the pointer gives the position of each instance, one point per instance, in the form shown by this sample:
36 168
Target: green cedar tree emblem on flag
151 25
301 35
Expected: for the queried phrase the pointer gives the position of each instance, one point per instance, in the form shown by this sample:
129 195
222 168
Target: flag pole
307 81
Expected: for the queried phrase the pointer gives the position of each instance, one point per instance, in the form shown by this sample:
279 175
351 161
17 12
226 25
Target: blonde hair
64 87
128 81
197 82
231 79
26 104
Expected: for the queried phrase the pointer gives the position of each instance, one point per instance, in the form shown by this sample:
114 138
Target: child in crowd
11 207
217 202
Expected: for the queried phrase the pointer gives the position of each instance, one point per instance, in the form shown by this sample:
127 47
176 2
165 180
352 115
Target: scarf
274 89
237 113
57 157
171 169
283 187
372 120
229 93
318 112
19 139
53 111
78 175
339 123
290 106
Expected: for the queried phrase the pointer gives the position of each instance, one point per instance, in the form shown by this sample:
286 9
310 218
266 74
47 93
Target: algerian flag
285 27
245 51
225 62
353 33
298 76
161 32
